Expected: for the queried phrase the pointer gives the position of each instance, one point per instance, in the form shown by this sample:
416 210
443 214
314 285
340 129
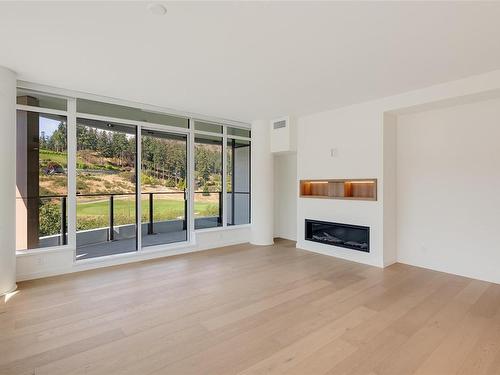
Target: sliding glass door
163 187
105 189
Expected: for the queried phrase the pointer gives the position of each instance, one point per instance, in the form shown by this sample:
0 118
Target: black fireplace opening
353 237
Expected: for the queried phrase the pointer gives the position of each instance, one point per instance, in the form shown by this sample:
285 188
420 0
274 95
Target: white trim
138 187
169 246
29 108
224 177
217 229
238 137
72 155
146 107
190 186
43 250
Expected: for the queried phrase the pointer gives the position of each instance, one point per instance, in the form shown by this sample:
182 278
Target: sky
48 125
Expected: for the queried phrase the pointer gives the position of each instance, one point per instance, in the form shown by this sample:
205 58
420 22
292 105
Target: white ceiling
245 61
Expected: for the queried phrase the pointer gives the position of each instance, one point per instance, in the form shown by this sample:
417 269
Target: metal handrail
63 197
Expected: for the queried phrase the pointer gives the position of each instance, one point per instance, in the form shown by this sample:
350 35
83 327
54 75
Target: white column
7 181
262 185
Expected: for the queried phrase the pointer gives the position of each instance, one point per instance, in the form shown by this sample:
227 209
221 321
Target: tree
104 144
57 142
119 144
50 219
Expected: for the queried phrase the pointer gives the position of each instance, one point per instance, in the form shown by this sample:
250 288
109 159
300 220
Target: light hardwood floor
252 310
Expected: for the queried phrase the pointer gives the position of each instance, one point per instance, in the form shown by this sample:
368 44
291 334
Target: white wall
389 209
262 185
364 138
8 180
448 182
285 196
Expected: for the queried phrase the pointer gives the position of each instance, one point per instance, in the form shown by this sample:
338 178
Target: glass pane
207 127
106 186
208 182
163 184
41 180
239 132
35 99
238 182
119 111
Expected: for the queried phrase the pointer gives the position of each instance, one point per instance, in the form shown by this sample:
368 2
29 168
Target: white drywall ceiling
249 60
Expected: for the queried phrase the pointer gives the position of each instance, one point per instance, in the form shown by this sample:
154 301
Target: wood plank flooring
252 310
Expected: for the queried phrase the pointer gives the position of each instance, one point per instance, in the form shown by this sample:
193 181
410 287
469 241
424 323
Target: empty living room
249 187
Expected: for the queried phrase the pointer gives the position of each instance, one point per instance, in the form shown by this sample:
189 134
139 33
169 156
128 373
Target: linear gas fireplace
344 235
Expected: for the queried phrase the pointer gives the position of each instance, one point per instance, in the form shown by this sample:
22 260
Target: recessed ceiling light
157 9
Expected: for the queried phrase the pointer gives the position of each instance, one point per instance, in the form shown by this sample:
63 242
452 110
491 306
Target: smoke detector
157 9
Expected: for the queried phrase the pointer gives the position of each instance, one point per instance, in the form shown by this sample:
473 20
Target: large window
105 188
41 178
238 181
207 181
103 179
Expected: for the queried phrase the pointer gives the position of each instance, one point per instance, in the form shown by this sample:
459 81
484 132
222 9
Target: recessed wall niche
353 189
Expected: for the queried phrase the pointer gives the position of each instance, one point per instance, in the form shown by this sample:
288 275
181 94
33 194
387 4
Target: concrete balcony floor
128 244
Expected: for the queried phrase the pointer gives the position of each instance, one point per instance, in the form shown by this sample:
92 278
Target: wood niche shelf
354 189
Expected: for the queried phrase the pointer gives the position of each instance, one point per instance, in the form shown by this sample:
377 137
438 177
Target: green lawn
96 214
57 157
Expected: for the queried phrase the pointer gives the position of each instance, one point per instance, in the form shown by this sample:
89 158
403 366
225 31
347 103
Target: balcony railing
150 209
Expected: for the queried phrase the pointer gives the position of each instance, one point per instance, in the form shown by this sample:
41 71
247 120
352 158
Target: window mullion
138 187
224 176
191 186
71 160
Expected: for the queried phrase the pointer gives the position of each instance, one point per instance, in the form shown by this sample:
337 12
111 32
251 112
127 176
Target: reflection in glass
208 127
129 113
239 132
163 185
36 99
106 187
41 178
208 181
238 182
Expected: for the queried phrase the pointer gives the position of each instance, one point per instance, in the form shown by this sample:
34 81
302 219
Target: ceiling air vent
279 124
